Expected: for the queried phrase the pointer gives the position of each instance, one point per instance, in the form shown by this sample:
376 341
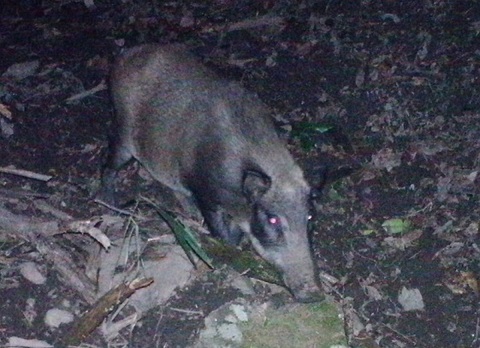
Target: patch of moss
298 325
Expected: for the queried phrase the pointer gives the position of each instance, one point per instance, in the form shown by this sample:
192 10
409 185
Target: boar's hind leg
222 227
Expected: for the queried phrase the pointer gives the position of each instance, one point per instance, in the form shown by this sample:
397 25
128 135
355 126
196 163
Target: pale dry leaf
22 342
411 299
5 112
386 159
88 227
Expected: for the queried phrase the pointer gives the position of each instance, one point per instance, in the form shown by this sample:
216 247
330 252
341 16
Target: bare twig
118 210
100 87
15 193
25 173
186 311
261 21
477 333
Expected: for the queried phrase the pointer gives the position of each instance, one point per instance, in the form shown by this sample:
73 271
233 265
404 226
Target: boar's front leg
119 154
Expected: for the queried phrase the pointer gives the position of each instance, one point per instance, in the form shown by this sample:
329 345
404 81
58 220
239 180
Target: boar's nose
308 295
306 292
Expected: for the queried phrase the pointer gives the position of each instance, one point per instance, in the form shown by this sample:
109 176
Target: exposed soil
397 82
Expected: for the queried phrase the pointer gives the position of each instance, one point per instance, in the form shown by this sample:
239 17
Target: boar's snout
303 286
299 273
307 294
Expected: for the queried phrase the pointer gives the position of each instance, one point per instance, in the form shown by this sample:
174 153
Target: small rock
230 332
6 128
22 70
56 317
239 311
222 326
29 271
243 284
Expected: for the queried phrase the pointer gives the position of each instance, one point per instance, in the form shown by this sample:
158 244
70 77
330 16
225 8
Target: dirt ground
397 84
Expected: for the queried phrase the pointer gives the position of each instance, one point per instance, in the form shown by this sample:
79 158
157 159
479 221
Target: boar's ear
255 184
328 176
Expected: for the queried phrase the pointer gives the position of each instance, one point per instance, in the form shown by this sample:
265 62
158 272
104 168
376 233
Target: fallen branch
104 306
25 173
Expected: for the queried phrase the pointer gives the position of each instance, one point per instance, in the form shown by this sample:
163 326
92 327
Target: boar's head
279 229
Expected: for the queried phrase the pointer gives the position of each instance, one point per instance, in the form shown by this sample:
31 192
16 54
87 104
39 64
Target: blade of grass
184 235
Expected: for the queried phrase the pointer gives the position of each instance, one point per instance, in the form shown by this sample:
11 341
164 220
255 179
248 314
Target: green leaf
306 132
396 226
310 128
368 232
184 235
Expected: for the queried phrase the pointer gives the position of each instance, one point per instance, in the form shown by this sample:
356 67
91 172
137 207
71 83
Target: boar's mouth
296 268
299 277
304 292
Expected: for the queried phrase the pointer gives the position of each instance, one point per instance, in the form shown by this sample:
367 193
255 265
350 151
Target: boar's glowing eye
309 217
274 220
268 229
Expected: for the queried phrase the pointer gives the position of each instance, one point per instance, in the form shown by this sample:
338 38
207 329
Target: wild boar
211 139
